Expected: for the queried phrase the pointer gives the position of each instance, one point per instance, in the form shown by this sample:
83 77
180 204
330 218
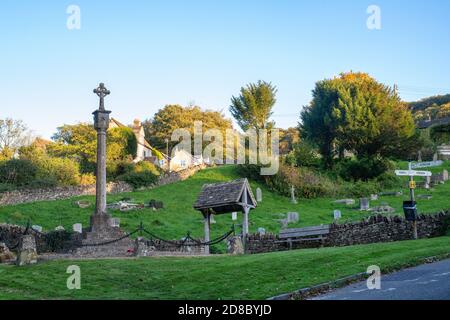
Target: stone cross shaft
101 125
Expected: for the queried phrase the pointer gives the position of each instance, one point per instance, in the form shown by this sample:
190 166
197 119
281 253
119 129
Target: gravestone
373 197
261 231
347 202
212 220
77 227
258 194
293 199
445 175
234 216
59 228
435 157
425 196
27 251
427 182
337 214
364 204
36 228
292 217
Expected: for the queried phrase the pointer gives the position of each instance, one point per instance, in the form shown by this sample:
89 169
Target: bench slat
303 234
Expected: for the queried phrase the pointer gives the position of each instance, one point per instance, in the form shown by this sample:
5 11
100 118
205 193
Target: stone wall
372 230
26 196
11 234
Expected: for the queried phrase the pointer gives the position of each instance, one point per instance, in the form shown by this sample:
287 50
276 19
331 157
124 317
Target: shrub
5 187
362 169
64 172
303 155
143 174
361 189
389 181
17 172
87 179
307 182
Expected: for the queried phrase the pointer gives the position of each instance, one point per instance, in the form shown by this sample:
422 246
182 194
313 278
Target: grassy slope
178 217
215 277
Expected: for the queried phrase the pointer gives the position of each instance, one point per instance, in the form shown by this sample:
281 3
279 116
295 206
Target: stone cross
293 199
100 220
102 92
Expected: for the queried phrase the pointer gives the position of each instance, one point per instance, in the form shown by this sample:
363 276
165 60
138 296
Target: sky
157 52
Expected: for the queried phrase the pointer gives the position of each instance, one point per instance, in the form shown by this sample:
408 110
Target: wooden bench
317 233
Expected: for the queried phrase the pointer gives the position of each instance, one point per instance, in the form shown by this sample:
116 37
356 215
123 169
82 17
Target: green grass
179 217
216 277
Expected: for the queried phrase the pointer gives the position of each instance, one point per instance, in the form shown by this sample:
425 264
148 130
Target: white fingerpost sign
413 173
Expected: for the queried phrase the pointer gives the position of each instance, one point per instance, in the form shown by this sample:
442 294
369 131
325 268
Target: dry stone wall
372 230
60 193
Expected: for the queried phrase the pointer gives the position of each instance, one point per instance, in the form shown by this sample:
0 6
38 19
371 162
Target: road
425 282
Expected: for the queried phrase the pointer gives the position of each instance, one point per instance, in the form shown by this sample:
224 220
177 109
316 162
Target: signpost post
411 205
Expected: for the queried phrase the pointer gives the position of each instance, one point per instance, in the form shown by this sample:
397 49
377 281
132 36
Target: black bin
410 210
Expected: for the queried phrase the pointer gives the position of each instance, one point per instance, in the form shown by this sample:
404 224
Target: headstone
364 204
261 231
115 222
435 157
258 195
382 209
292 217
234 216
36 228
211 219
392 193
5 254
445 175
235 246
59 228
337 214
373 197
27 251
348 202
77 227
293 199
427 183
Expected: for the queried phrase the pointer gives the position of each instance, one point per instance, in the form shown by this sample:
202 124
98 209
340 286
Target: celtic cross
102 92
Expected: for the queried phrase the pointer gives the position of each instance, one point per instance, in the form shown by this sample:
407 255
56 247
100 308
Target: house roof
424 124
146 143
225 197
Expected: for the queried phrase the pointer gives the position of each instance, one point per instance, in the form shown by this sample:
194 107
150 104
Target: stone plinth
27 251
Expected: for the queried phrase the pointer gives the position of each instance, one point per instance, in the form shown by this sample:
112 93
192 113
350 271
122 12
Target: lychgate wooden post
207 216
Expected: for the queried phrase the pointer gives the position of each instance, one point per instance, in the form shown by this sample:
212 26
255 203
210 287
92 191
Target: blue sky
152 53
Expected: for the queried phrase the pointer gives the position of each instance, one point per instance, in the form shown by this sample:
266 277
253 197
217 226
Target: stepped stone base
100 232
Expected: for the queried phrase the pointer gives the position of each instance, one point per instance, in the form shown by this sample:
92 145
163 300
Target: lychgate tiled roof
225 197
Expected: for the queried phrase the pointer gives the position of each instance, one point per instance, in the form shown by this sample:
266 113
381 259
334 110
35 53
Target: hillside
178 217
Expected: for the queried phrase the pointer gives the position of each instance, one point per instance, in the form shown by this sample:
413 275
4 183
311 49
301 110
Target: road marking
411 280
390 289
358 291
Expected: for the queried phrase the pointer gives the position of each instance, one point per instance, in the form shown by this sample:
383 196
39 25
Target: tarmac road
425 282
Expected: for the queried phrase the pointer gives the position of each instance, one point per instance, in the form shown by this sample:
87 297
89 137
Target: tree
173 117
354 112
253 107
79 142
289 138
12 136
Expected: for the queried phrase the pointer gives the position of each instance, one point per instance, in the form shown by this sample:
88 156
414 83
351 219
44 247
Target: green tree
354 112
79 142
253 107
173 117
